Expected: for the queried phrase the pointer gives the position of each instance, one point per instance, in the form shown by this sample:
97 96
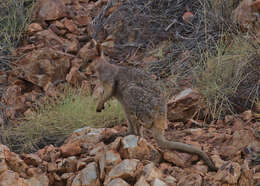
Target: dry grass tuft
14 17
53 121
229 80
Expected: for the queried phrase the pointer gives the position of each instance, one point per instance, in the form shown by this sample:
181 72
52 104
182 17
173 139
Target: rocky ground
89 157
54 52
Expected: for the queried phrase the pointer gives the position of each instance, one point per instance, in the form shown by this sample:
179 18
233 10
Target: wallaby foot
163 143
130 128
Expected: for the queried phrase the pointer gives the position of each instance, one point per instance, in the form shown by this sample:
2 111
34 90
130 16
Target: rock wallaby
142 100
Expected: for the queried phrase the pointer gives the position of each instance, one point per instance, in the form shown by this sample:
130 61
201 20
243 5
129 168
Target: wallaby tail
163 143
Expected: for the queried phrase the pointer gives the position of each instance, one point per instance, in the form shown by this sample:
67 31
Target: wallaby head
99 60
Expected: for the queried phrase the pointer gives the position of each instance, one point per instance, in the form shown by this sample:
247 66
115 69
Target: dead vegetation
144 25
15 15
207 51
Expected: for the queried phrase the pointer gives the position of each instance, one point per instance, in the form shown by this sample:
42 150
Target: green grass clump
229 80
52 122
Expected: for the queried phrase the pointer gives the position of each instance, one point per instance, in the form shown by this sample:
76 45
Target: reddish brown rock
134 147
252 152
88 51
239 140
107 160
158 182
66 176
3 149
52 40
179 158
127 169
188 16
247 115
115 145
89 137
80 165
51 90
14 100
218 161
38 180
32 159
82 18
3 166
42 66
59 24
49 153
52 167
49 36
26 49
15 163
112 158
150 172
256 178
184 105
10 178
34 27
88 176
170 180
229 173
50 10
192 179
75 77
118 182
237 125
246 177
67 165
246 14
70 149
98 150
71 26
72 46
141 182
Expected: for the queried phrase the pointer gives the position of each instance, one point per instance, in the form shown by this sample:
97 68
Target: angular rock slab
134 147
229 173
118 182
88 176
127 169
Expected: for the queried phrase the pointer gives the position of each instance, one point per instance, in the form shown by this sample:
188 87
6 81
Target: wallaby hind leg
158 134
130 128
135 127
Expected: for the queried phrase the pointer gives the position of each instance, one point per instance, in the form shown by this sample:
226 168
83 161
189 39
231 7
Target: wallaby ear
94 42
98 48
101 51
